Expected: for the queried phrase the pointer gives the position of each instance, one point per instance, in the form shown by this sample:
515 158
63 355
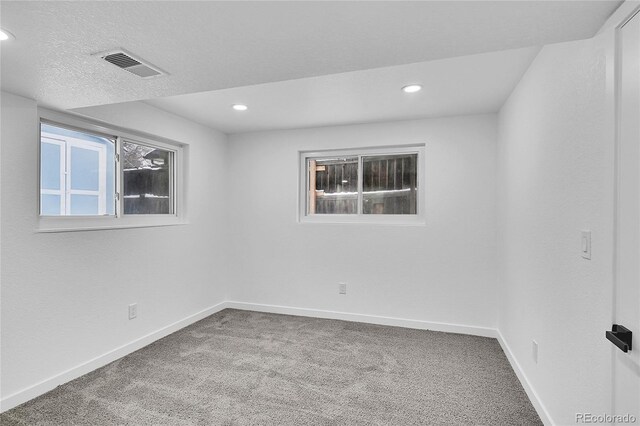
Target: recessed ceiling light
412 88
240 107
5 35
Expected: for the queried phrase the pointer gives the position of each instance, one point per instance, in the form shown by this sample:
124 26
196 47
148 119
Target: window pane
72 161
84 204
333 185
389 184
50 205
85 169
147 179
50 166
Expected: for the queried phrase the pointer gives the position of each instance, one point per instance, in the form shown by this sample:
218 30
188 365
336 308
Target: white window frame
417 219
118 220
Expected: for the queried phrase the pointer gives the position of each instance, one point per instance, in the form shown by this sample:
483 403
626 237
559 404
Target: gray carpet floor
248 368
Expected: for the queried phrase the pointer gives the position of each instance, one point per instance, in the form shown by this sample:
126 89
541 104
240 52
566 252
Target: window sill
392 220
76 224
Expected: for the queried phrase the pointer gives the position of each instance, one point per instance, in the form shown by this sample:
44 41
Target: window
104 178
367 185
147 179
389 184
77 172
333 185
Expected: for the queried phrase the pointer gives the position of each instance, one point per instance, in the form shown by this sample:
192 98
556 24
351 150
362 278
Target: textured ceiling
471 84
217 45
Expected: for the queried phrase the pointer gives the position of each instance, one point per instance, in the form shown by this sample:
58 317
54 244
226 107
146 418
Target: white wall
65 295
556 178
442 272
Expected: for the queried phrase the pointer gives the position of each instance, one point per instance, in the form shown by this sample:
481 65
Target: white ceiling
456 86
218 45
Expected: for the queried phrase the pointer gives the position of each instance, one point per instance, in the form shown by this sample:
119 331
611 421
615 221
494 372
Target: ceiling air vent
125 60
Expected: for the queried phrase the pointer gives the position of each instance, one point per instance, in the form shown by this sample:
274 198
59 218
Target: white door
626 365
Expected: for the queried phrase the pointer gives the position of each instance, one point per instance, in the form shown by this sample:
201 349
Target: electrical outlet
133 311
342 288
534 351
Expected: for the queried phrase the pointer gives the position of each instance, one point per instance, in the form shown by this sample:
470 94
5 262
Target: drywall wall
65 296
443 272
555 162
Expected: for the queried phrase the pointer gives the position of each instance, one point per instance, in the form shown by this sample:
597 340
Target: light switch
585 244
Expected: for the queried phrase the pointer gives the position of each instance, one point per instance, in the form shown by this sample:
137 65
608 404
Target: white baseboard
370 319
44 386
528 388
